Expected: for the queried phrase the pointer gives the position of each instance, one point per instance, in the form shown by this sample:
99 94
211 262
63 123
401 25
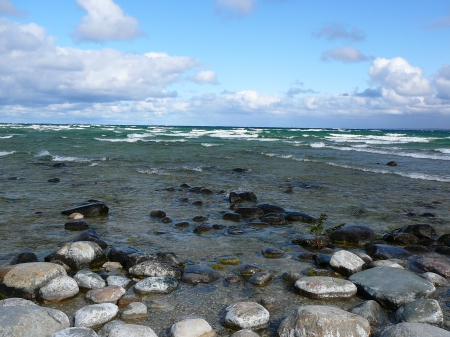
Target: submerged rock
423 310
242 196
414 330
384 252
89 209
24 257
422 231
352 235
194 274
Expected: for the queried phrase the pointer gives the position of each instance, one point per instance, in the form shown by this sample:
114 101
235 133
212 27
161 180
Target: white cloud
105 21
344 54
7 8
206 76
339 31
397 74
442 82
231 8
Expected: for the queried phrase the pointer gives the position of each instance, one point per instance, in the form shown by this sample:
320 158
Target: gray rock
155 268
109 294
325 287
246 315
195 327
384 252
414 330
134 310
346 263
108 327
89 209
120 281
424 310
15 302
156 285
245 333
199 274
436 279
24 258
320 320
260 279
31 321
392 287
132 330
75 332
353 235
79 255
95 315
385 263
87 279
300 216
59 288
363 256
422 231
438 266
371 311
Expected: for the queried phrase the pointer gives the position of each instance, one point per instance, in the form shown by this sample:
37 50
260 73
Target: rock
31 321
120 254
182 224
77 225
371 311
233 279
352 235
414 330
417 249
346 263
434 265
59 288
197 203
167 219
158 213
232 216
156 285
444 250
195 327
444 239
320 320
322 260
109 294
260 279
242 196
155 268
401 238
196 189
274 220
108 327
91 235
76 216
422 231
268 208
199 274
391 287
325 287
322 272
246 315
384 252
15 302
127 299
270 303
247 212
59 165
436 279
95 315
248 270
392 163
235 230
245 333
120 281
89 209
315 242
206 191
87 279
79 255
202 229
229 260
300 216
75 332
26 279
54 180
273 253
161 257
132 330
423 310
134 310
200 218
24 257
385 263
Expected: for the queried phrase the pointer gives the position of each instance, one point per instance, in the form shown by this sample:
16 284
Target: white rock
80 254
132 330
196 327
156 285
246 315
245 333
75 332
86 278
346 263
325 287
95 315
59 288
15 302
109 294
108 327
120 281
436 279
134 310
385 263
76 216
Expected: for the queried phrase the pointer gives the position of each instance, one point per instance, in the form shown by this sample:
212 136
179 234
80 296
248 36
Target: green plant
318 228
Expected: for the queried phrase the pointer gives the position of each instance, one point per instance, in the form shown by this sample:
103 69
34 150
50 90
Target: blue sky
351 64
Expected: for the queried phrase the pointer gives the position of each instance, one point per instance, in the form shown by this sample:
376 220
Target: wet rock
306 256
258 224
58 289
322 260
117 280
320 320
95 315
291 276
76 216
229 260
75 332
239 170
444 240
157 213
219 226
156 285
391 287
424 310
134 310
273 253
161 257
59 165
15 302
247 212
437 280
195 274
268 208
109 294
31 321
248 270
443 250
120 254
242 196
300 216
261 279
197 203
352 235
422 231
167 219
246 315
315 242
319 287
371 311
346 263
202 229
245 333
385 263
127 299
363 256
384 252
199 218
417 249
24 257
77 225
401 238
79 255
196 189
392 163
195 327
108 327
26 279
434 265
322 272
132 330
274 220
54 180
414 330
87 279
91 235
155 268
232 216
233 279
206 191
182 224
89 209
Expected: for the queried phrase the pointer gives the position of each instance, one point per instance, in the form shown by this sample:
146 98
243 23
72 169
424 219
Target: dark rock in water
322 260
24 257
258 224
401 238
248 212
206 191
408 329
120 254
444 240
422 231
242 196
291 276
183 200
428 242
202 229
248 270
59 165
184 185
78 225
427 215
444 250
195 274
300 216
170 189
90 209
392 163
199 218
384 252
218 226
234 230
157 213
270 303
306 256
235 206
196 189
167 219
233 279
352 235
162 257
316 242
417 249
198 203
232 216
268 208
91 235
274 220
273 253
434 265
260 279
411 214
54 180
182 224
239 170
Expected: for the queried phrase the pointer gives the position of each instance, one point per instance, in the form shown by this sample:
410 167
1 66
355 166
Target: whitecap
5 153
446 151
72 159
317 145
6 137
154 171
210 145
43 154
416 155
196 169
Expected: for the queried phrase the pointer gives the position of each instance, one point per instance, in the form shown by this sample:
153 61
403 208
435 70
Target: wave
71 159
6 137
317 145
154 171
196 169
6 153
210 145
446 151
390 138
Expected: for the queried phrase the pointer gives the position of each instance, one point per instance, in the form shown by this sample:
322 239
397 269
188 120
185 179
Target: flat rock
371 311
195 274
87 279
79 255
59 288
75 332
346 263
424 310
392 287
245 333
118 280
156 268
325 287
132 330
385 263
156 285
320 320
246 315
414 330
422 231
300 217
95 315
384 252
109 294
15 302
438 266
134 310
195 327
352 235
436 279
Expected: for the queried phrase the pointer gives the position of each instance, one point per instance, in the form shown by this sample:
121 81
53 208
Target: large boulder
320 320
414 330
352 235
79 255
89 209
31 321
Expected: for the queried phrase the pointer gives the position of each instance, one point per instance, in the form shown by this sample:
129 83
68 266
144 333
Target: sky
268 63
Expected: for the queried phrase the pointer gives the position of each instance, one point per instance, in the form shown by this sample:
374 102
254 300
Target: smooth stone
352 235
109 294
160 305
371 311
120 254
300 216
414 330
391 163
247 212
246 315
127 299
436 279
182 224
424 310
229 260
155 268
91 235
94 315
274 220
24 257
346 263
270 303
392 287
31 321
232 216
325 287
322 260
76 216
54 180
260 279
134 310
401 238
320 320
200 218
89 209
422 231
120 281
108 327
79 225
15 302
242 196
245 333
438 266
75 332
194 274
59 288
233 279
248 270
158 213
269 208
322 272
315 242
79 255
132 330
273 253
384 252
195 327
156 285
385 263
26 279
363 256
202 229
87 279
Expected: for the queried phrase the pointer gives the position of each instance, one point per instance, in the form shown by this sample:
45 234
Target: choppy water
342 173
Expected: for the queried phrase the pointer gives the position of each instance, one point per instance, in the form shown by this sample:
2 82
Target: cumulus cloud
296 90
7 8
339 31
344 54
442 82
105 21
233 8
205 77
398 75
34 71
